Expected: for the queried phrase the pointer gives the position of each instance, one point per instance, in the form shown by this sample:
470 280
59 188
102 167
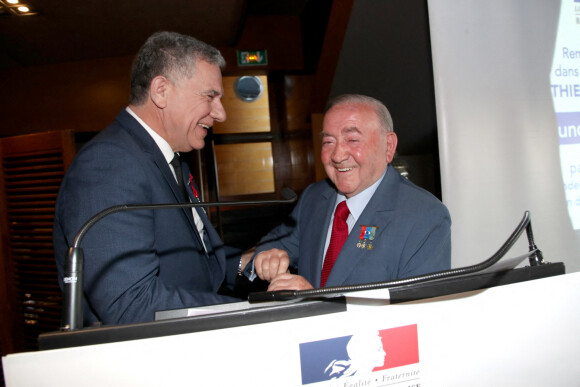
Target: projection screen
507 119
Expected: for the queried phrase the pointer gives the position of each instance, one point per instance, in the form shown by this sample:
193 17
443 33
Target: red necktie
339 235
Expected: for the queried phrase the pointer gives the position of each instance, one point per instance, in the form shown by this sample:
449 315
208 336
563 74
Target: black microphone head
289 194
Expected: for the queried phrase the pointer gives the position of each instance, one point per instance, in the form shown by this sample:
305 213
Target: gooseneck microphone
72 308
534 256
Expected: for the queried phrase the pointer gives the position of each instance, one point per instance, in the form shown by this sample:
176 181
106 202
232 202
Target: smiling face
355 148
191 107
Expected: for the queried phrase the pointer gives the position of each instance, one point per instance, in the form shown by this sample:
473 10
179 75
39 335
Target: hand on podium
289 281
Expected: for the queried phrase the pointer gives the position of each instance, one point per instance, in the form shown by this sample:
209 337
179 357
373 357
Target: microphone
72 308
534 256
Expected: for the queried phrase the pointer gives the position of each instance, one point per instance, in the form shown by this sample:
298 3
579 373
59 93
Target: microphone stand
72 308
534 256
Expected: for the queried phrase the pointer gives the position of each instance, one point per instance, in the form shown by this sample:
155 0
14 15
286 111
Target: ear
159 90
391 146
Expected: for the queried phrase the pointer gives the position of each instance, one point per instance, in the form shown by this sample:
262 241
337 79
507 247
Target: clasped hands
272 266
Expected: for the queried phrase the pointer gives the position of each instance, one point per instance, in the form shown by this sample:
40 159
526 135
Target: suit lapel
149 146
214 238
377 214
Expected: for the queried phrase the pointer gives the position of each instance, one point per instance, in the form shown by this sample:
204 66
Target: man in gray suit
140 262
393 229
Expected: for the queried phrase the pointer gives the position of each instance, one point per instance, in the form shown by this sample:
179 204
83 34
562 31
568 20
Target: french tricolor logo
359 354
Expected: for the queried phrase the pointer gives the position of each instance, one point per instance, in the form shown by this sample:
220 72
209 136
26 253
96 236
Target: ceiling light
15 8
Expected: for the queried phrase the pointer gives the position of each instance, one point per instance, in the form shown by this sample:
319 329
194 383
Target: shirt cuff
250 270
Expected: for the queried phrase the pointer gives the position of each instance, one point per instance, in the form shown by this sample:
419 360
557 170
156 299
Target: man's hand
289 281
268 264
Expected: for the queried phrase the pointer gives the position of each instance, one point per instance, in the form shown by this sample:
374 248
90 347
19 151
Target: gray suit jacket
412 234
136 262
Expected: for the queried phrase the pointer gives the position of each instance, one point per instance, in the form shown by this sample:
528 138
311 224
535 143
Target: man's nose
218 113
340 152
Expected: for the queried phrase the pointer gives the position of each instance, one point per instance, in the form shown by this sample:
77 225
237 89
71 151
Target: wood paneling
245 168
300 156
317 119
301 165
31 170
332 45
83 96
298 97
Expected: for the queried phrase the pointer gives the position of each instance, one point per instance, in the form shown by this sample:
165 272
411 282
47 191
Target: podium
525 332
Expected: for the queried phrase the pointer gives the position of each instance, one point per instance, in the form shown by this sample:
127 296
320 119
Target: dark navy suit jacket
142 261
412 234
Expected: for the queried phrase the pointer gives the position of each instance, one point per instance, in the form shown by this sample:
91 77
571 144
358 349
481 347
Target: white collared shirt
163 145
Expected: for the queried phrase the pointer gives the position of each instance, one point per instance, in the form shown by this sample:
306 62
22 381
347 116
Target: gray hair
171 55
381 110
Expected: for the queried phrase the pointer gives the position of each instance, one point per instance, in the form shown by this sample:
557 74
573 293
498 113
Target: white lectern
519 334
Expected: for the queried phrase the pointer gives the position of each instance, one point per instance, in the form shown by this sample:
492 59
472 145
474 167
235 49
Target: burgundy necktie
339 235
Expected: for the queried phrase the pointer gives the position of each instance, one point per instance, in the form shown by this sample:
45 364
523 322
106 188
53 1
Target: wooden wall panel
245 168
31 170
82 96
317 119
301 165
298 96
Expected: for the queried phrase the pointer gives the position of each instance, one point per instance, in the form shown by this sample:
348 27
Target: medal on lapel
193 187
367 235
194 190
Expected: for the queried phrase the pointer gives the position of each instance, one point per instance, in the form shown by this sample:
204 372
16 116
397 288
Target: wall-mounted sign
252 58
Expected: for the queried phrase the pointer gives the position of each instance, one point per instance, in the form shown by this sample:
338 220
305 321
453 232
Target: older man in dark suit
365 223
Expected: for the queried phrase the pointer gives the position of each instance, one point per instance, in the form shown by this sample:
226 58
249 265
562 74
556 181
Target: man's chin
197 145
346 190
